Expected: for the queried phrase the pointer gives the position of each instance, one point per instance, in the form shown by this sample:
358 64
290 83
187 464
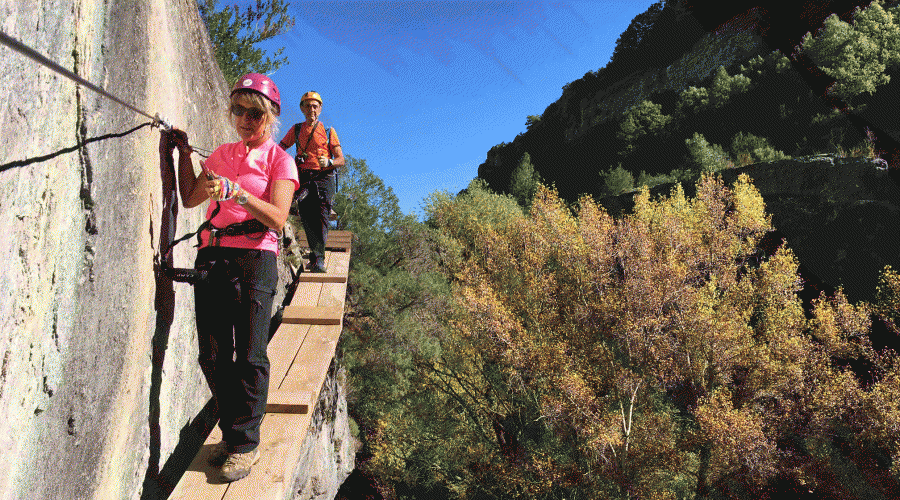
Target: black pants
233 308
315 211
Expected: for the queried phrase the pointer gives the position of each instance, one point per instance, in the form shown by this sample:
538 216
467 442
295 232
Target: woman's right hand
181 140
210 181
218 188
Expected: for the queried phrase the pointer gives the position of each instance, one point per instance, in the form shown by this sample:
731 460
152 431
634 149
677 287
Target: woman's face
250 122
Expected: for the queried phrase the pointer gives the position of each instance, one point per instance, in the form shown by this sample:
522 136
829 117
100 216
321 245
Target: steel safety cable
44 60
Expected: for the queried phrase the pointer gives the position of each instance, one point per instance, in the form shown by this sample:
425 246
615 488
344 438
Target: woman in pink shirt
251 183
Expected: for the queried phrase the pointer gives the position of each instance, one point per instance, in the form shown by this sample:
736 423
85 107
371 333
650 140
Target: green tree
693 99
676 175
630 40
439 414
381 285
617 181
234 34
524 181
642 119
857 55
707 157
724 86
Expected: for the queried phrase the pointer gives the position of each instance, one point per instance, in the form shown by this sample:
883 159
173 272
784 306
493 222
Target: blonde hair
263 103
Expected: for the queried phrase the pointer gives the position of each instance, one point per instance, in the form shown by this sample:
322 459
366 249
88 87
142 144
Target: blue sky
423 89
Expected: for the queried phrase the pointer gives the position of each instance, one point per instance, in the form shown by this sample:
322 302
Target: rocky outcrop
840 216
99 383
328 454
701 62
86 339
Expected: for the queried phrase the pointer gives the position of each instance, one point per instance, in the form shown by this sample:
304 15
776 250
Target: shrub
617 181
705 156
749 148
642 119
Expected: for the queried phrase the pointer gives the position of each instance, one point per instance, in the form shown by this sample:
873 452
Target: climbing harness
307 176
192 276
302 155
44 60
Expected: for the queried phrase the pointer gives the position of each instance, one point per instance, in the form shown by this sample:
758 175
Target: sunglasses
252 113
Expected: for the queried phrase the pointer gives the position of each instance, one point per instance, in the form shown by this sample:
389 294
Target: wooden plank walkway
337 241
300 354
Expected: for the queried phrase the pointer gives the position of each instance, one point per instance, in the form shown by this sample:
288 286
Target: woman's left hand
222 188
323 162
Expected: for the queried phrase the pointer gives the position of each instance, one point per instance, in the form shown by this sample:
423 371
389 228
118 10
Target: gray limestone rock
328 454
99 383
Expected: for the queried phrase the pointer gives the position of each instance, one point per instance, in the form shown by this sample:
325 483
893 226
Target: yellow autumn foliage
656 355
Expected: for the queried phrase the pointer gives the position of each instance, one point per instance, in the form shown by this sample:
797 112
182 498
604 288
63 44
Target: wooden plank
201 481
337 263
307 294
281 439
308 372
339 241
335 240
333 294
295 402
309 277
312 315
283 349
322 278
308 291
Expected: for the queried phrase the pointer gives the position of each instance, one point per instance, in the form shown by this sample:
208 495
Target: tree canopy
660 355
856 55
235 33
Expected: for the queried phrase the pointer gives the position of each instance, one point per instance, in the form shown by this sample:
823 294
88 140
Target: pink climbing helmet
261 84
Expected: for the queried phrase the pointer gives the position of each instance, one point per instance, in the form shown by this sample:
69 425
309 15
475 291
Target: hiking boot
218 454
317 265
238 465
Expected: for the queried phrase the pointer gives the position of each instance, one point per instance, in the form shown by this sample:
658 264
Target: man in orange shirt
318 154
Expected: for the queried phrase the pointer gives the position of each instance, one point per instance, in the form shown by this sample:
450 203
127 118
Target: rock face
99 382
329 452
840 216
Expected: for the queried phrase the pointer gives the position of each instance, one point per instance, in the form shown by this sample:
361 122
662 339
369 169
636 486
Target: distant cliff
666 51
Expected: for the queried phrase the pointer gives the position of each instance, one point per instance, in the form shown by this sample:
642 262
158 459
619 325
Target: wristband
226 189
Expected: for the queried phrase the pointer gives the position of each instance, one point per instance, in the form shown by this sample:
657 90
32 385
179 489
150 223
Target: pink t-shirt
255 172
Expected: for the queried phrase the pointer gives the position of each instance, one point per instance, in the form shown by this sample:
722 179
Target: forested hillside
529 341
694 86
